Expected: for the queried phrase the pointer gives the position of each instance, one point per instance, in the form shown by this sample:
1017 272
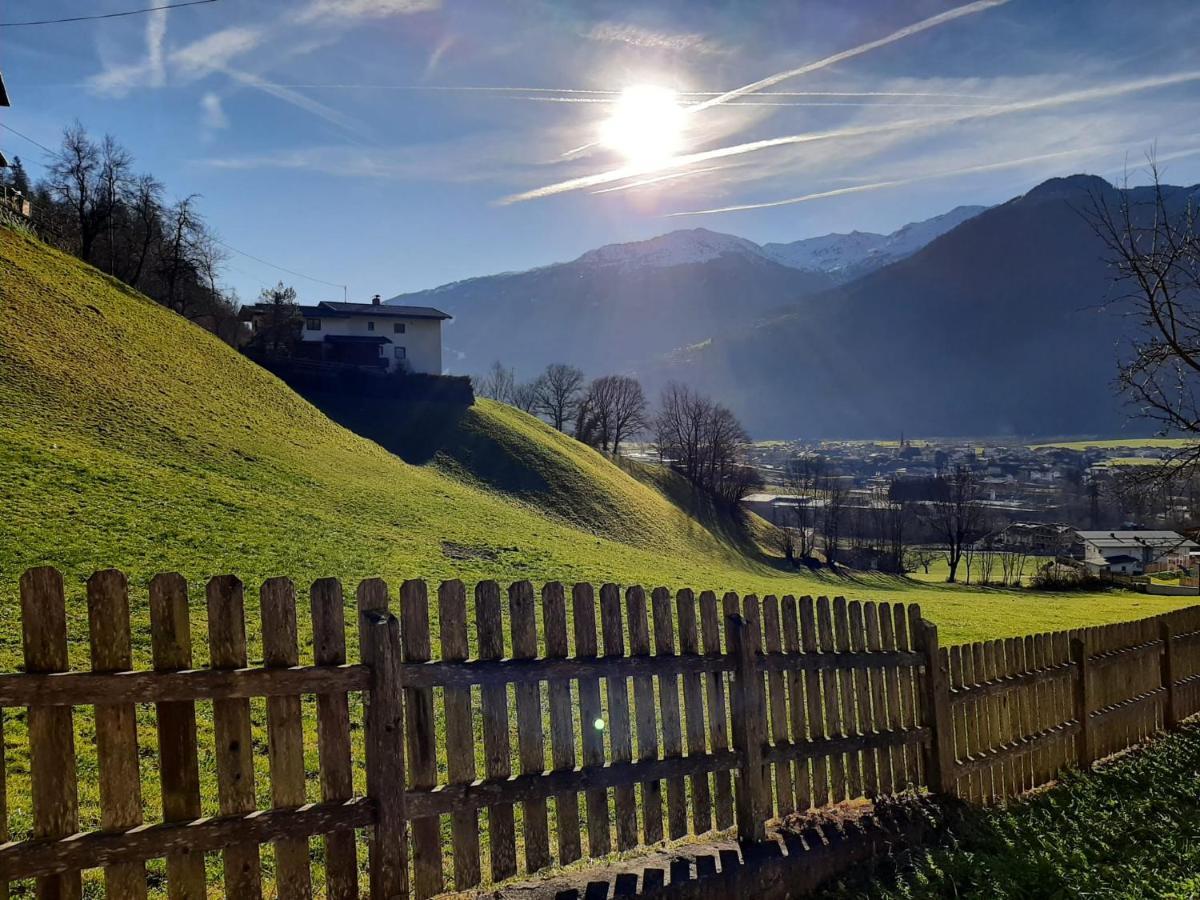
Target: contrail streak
899 182
669 176
907 31
620 174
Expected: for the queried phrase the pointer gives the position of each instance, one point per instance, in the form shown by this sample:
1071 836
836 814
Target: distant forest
93 203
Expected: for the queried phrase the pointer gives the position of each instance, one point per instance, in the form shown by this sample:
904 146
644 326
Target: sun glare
646 125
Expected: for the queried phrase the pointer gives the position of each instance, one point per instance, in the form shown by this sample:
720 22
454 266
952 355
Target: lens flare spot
646 125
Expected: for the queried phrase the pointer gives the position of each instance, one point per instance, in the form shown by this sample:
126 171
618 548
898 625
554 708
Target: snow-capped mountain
677 248
848 256
618 306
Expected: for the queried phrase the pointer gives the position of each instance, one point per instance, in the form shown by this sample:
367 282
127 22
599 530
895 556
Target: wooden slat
178 765
962 751
645 713
420 730
798 730
879 715
862 699
234 749
814 704
620 742
668 698
562 725
531 742
333 735
51 730
984 720
891 687
785 799
460 734
693 706
752 613
847 696
832 701
379 648
907 680
502 833
718 710
583 606
753 794
285 734
116 726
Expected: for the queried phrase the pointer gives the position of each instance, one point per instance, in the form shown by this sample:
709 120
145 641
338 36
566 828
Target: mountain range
982 321
623 305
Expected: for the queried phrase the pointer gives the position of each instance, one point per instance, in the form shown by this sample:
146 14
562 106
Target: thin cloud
214 116
349 10
214 52
907 31
300 101
1088 94
645 38
119 80
668 177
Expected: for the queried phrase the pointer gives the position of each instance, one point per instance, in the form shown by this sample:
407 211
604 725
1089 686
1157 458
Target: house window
400 354
370 326
312 324
398 328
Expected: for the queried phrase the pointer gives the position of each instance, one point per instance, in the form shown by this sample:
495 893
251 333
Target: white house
372 335
1129 552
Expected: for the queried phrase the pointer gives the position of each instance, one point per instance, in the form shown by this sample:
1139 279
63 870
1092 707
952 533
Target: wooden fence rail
668 713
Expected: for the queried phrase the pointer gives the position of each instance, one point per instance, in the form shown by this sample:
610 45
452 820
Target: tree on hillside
1154 246
705 443
800 478
834 496
525 396
615 411
559 394
958 520
279 328
497 383
17 178
89 178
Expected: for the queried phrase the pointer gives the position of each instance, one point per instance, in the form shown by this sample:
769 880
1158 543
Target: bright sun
646 125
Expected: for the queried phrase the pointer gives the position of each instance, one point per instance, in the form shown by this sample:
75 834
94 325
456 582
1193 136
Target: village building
370 335
1132 552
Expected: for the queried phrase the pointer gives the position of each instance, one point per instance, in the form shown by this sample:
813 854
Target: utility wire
115 15
26 137
280 268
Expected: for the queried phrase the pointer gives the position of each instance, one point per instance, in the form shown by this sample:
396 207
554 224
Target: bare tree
497 384
617 410
801 477
920 558
704 442
834 495
1154 247
958 518
525 396
560 390
90 179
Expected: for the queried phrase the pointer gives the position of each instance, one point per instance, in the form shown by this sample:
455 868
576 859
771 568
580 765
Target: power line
115 15
26 137
280 268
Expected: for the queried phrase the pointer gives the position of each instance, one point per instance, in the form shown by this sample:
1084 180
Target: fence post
1083 703
941 761
379 637
1170 710
747 734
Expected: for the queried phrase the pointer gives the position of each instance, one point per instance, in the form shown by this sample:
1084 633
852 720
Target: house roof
356 339
331 310
380 309
1158 539
3 92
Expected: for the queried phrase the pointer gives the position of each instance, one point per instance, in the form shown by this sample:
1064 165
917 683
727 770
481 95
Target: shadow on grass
1129 829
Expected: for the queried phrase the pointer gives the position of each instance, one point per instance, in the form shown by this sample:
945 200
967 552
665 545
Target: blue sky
399 144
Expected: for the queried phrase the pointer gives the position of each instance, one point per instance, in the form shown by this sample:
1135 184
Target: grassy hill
132 438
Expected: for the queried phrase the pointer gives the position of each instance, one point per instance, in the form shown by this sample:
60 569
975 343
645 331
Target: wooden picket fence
595 721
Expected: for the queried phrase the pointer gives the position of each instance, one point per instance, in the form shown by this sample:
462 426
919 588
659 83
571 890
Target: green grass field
1128 830
1117 444
939 570
132 438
